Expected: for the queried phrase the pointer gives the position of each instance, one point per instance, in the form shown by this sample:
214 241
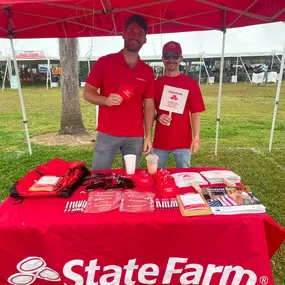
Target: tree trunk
71 117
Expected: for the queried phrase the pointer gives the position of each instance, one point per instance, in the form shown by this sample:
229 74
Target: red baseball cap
172 47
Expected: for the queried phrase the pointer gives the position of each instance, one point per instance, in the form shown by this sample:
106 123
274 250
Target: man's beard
171 66
133 47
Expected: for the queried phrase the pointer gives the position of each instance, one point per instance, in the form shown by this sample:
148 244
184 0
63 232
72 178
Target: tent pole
236 68
272 60
277 98
25 121
49 68
278 58
48 71
220 93
89 66
206 69
10 69
5 74
245 70
200 69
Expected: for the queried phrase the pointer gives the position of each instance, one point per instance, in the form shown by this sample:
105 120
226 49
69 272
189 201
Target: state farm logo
174 97
175 269
31 268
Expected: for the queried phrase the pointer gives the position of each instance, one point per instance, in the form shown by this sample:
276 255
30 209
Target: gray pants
107 146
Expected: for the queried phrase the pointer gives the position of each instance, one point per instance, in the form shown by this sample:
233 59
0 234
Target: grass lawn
246 116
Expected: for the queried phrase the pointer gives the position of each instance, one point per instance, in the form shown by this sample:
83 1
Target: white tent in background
262 40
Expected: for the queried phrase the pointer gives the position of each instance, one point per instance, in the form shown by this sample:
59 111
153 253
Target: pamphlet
187 179
221 176
232 200
193 204
45 183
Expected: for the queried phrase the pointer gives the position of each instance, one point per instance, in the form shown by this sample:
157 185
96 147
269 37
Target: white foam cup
130 163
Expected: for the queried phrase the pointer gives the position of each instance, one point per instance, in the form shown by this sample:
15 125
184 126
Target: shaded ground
53 139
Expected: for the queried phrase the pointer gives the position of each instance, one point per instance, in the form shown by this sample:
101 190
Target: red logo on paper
174 97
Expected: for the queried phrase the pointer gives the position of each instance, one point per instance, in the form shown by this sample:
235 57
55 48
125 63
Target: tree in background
71 116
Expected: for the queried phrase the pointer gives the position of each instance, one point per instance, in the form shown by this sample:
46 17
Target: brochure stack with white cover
221 176
187 179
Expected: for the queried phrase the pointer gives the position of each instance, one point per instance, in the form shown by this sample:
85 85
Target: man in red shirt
178 134
125 99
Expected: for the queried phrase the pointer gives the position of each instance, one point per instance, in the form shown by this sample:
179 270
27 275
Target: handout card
173 99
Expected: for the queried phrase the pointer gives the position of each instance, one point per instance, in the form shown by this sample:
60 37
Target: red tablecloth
161 247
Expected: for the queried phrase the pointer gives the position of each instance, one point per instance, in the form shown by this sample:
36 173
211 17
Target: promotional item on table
130 163
152 163
142 220
211 191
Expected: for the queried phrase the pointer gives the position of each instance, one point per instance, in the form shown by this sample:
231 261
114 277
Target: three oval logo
31 268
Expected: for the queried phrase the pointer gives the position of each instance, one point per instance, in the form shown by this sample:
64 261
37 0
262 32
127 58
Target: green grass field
246 116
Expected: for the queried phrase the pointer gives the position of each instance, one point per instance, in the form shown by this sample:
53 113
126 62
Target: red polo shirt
179 134
109 73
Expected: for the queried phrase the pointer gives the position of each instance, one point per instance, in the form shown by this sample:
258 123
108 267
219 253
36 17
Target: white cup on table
130 163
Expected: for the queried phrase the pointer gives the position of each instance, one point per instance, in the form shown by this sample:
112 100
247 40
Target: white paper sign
234 79
272 76
257 77
211 80
173 99
13 82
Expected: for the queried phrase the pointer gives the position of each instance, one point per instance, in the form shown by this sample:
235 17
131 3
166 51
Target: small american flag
222 201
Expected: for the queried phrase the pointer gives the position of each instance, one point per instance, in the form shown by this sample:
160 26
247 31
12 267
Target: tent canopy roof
76 18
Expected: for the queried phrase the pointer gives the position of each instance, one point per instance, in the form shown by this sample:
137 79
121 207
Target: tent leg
25 121
48 71
272 60
200 69
236 68
89 66
220 93
206 69
278 58
10 69
245 70
277 98
5 75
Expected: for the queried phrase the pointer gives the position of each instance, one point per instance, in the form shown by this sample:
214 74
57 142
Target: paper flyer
173 99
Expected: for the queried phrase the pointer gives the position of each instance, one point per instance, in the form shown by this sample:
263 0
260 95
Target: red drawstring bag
71 175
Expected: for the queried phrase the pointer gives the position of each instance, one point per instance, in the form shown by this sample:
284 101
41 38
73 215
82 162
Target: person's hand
164 119
113 100
147 146
195 145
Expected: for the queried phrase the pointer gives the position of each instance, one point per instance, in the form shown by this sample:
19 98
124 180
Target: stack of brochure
45 183
232 200
221 176
187 179
193 204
